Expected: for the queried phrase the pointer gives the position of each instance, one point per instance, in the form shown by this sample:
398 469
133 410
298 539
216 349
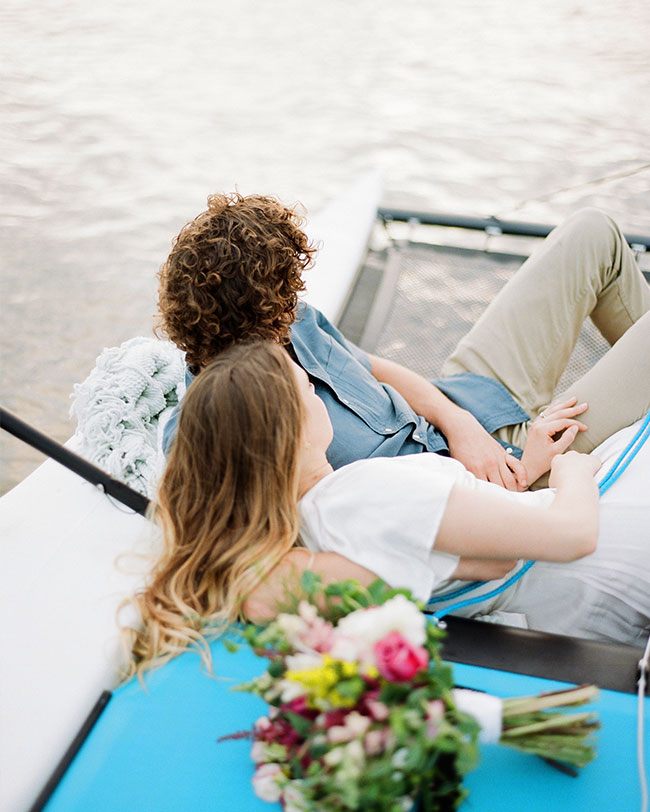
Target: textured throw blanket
119 405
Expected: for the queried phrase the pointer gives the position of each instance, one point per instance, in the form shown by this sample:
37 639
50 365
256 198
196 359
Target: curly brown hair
234 273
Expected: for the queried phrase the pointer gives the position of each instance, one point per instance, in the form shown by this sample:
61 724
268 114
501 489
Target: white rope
586 184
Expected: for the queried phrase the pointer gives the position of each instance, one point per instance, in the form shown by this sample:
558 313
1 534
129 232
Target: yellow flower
321 681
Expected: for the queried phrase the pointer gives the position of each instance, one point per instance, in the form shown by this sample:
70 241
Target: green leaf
276 668
378 591
301 725
311 582
351 688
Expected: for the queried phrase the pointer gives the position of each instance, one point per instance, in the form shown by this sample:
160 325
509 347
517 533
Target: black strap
118 490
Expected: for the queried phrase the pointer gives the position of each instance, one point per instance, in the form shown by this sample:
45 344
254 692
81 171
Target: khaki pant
584 268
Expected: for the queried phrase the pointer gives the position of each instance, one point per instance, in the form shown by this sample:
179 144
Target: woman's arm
268 598
485 525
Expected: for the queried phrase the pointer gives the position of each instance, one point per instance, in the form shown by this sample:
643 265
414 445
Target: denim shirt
371 419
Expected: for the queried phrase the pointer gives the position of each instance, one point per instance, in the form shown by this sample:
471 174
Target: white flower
292 626
263 723
337 734
265 783
334 757
290 690
293 800
304 661
355 725
366 627
308 612
399 758
354 753
258 752
347 648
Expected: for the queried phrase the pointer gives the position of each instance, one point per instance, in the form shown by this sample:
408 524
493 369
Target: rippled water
119 119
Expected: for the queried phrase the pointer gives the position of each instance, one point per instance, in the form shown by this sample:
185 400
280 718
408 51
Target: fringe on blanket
118 408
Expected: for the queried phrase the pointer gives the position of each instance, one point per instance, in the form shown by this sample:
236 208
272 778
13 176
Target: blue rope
623 461
447 596
616 470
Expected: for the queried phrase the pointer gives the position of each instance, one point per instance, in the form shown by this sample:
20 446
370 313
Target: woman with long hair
249 501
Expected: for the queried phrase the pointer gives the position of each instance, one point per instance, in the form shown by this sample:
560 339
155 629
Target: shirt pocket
381 407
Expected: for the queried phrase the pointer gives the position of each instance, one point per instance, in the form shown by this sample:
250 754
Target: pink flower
265 784
263 723
435 714
374 742
354 725
397 659
319 636
378 710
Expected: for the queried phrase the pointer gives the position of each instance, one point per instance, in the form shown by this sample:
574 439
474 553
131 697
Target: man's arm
468 441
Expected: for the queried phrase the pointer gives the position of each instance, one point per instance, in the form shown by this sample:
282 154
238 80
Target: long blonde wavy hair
227 501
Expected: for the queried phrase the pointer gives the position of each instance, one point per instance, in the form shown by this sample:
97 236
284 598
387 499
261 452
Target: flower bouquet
364 715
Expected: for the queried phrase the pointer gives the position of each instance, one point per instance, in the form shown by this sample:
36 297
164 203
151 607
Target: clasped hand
481 454
551 434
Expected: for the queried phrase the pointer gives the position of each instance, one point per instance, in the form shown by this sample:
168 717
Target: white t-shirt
384 513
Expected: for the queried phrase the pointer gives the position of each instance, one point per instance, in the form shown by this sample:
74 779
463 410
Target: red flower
299 706
335 717
397 659
280 731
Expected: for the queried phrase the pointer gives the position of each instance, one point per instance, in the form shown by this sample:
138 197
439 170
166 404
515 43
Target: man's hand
551 434
481 454
468 440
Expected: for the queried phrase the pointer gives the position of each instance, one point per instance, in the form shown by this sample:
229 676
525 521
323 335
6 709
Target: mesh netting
441 291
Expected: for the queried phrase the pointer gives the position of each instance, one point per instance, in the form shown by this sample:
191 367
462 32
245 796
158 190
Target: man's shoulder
311 327
308 316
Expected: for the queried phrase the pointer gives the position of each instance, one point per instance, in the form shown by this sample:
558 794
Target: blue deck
156 751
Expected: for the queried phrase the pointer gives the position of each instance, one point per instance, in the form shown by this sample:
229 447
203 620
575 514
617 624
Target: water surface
120 118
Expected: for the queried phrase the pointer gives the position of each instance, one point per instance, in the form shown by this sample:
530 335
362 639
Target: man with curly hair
235 272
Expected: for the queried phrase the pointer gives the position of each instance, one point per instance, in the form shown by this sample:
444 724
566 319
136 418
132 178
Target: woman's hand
551 434
567 467
482 569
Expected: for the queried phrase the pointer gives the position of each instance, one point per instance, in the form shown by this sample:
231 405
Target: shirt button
347 402
387 428
508 451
